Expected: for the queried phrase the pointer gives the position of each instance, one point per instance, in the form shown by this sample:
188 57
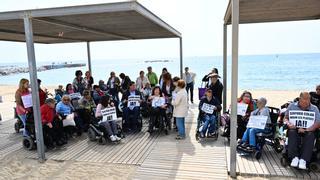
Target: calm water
269 72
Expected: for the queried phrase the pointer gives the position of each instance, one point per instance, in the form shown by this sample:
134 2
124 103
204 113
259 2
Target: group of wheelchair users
156 97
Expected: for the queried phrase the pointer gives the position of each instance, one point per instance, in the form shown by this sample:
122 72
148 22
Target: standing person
216 86
20 109
167 87
42 93
189 77
141 81
164 71
180 111
125 83
113 85
315 97
88 80
79 83
153 79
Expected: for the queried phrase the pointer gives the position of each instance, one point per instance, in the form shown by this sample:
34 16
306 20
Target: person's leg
191 91
181 127
107 128
307 146
136 114
252 135
187 89
212 123
245 137
114 127
206 121
164 116
126 118
23 118
292 143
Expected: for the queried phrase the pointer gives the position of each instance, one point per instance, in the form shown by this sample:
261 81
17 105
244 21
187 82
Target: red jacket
47 114
42 97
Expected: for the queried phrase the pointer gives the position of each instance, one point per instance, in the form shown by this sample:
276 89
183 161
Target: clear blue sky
199 21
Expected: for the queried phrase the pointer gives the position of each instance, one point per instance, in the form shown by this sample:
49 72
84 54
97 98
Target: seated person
209 118
58 93
110 126
97 94
249 137
131 107
64 108
69 89
294 133
52 125
86 107
158 108
147 91
315 97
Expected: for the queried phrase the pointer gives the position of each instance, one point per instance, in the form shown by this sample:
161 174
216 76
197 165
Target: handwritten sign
75 96
109 114
27 100
257 122
242 109
158 101
302 119
134 101
207 108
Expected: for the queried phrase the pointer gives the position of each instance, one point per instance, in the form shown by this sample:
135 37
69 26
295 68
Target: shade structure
99 22
256 11
261 11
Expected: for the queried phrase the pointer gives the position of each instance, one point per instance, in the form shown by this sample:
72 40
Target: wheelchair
200 124
314 165
124 124
18 124
265 138
97 132
163 124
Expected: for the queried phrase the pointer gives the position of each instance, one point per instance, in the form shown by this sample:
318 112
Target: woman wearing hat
216 86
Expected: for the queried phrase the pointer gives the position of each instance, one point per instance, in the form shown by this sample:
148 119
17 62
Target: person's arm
98 111
200 104
177 100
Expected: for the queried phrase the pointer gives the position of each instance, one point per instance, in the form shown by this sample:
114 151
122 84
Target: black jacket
217 90
125 84
164 89
127 94
315 99
213 101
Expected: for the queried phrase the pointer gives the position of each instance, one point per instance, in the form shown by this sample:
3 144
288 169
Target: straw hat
214 75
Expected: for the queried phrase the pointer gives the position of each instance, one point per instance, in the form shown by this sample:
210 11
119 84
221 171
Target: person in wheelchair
248 140
110 127
131 99
85 111
295 133
52 125
209 106
158 109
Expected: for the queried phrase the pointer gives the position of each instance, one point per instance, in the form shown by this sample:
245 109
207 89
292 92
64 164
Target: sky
199 21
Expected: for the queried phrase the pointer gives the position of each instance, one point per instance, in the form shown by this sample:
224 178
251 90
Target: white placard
75 95
134 101
109 114
27 100
302 119
207 108
158 101
257 122
242 109
69 120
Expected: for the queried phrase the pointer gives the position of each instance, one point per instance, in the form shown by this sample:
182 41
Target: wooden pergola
256 11
99 22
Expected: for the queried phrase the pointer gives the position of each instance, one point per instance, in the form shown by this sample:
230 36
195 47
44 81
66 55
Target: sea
256 72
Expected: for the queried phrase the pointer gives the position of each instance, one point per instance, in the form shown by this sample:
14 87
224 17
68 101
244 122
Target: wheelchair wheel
315 167
257 155
284 161
28 143
17 127
91 134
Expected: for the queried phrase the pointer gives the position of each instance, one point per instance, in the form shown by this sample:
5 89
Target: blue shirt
63 109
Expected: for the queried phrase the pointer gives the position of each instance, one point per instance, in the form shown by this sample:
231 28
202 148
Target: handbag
69 120
201 91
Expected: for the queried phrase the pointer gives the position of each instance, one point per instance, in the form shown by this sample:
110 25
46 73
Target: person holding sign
209 106
158 109
110 126
132 100
297 118
21 107
249 137
180 110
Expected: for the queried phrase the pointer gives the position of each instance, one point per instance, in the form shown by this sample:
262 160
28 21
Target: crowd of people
157 95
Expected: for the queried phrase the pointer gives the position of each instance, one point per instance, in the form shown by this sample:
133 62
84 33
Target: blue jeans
23 118
250 134
209 120
181 127
131 123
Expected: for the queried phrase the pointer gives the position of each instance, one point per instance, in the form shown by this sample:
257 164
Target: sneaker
302 164
294 162
179 137
201 134
112 138
117 138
